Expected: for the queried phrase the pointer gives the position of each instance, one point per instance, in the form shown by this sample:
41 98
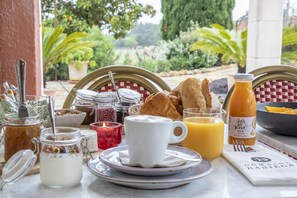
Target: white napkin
169 161
263 167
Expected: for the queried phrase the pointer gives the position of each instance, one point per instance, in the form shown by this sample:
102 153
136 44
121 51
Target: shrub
163 66
178 52
148 64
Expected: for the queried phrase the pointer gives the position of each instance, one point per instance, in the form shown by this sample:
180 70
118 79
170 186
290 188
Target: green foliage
131 41
127 60
179 55
163 66
148 64
56 45
104 53
178 14
77 57
232 45
116 16
218 40
289 46
62 72
145 35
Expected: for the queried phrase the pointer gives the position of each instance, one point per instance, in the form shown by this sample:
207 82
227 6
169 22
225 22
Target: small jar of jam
84 102
18 133
105 107
128 98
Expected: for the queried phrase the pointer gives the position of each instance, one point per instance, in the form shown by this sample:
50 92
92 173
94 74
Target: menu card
263 167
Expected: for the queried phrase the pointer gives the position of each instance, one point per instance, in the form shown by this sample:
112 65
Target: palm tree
231 45
56 45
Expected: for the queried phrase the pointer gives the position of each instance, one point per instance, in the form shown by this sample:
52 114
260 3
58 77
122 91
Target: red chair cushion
129 85
276 91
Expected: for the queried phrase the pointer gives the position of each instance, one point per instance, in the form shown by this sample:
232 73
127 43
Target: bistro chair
276 83
135 78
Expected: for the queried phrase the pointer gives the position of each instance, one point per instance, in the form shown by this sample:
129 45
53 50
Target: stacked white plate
108 167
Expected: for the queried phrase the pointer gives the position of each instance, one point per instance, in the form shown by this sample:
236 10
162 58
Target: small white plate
104 172
110 157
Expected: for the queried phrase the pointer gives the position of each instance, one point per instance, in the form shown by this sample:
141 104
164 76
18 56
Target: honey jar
18 133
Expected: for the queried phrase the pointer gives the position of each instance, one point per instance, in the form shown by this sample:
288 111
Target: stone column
265 24
20 37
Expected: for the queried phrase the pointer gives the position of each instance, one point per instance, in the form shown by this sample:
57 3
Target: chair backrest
276 83
135 78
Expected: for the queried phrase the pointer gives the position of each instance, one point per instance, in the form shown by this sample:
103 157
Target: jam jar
128 98
105 107
61 157
18 133
84 101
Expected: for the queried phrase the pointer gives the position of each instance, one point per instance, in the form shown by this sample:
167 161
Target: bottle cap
240 76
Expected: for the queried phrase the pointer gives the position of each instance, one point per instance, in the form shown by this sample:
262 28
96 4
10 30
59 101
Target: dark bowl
282 124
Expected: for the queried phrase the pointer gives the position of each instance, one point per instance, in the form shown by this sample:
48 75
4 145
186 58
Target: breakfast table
223 181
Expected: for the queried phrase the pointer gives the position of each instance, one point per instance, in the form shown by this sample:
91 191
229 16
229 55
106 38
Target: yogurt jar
61 157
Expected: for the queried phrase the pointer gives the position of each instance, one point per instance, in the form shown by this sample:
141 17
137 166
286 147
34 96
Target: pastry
191 94
206 92
160 105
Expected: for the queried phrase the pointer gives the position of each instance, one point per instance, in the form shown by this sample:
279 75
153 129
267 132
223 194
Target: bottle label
242 127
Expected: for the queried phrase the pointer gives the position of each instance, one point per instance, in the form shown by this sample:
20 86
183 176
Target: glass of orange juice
205 131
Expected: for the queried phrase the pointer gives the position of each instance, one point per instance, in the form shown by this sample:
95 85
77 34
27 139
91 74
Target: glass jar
105 107
18 133
61 157
128 98
84 102
242 110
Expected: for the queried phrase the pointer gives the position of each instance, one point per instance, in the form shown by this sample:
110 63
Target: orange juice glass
205 131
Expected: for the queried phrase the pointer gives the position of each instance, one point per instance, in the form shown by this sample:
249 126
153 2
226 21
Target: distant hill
143 34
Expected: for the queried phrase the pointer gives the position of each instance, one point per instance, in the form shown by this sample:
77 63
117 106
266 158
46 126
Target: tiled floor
61 94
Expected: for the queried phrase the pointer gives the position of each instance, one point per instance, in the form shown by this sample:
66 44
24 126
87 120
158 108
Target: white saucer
104 172
110 157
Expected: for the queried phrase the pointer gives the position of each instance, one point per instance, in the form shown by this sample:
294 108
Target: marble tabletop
285 144
224 181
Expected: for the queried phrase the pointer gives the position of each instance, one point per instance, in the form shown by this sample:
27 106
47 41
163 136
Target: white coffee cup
148 136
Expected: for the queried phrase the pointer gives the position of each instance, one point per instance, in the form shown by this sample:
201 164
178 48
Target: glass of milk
61 157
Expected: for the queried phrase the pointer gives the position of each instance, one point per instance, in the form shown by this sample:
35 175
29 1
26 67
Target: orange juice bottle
242 110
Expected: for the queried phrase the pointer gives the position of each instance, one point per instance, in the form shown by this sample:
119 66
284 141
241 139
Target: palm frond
56 45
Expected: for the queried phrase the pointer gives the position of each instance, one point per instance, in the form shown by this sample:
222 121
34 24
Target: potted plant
56 45
78 62
229 44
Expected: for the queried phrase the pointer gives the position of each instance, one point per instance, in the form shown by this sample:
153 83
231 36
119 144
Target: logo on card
261 159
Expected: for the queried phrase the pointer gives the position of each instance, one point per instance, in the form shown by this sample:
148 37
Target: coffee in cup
148 136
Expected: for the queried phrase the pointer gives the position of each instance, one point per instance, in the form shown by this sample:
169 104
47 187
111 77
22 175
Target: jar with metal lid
61 157
84 101
128 97
18 133
105 107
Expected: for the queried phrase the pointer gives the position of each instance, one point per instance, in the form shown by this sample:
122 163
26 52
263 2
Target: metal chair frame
268 73
99 78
